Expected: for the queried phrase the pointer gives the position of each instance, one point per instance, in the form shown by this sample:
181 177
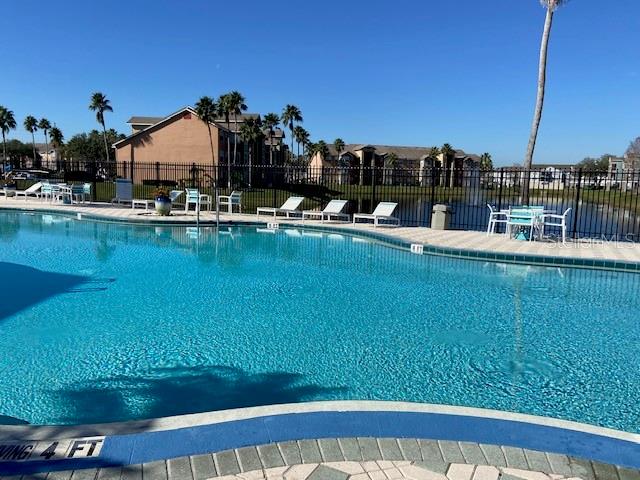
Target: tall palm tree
304 140
7 123
551 6
31 125
301 136
271 121
207 110
339 145
322 148
57 140
290 115
45 126
236 106
100 104
447 152
224 112
251 132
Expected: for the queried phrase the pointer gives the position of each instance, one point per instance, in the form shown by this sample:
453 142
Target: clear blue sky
403 72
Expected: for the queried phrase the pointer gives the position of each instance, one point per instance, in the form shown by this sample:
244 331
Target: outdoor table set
527 222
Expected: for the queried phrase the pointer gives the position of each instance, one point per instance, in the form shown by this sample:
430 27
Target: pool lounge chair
124 191
333 210
33 190
288 207
383 211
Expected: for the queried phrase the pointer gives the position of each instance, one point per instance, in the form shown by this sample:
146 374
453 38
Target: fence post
94 183
575 211
499 206
432 198
373 186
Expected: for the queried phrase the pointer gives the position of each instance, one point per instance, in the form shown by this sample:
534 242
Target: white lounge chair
333 210
124 191
384 211
33 190
288 207
230 200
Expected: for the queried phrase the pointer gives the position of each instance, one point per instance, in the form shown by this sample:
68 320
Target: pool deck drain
584 252
359 459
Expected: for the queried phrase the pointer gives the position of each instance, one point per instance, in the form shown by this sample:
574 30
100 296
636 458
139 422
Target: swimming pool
107 322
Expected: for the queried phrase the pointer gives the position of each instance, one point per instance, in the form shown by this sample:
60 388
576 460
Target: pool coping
385 236
141 441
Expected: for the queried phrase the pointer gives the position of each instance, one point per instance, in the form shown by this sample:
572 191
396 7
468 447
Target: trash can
441 217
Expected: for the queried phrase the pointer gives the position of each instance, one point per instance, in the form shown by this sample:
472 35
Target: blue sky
404 72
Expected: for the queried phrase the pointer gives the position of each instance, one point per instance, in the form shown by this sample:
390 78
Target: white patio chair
194 197
235 199
383 211
558 221
333 210
33 190
289 207
495 217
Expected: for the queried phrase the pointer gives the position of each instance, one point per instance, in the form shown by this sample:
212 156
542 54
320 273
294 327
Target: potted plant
9 184
163 202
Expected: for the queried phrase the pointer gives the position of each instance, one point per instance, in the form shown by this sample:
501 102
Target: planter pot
163 206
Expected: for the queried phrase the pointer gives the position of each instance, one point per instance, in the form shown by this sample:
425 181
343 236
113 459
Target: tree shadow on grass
24 286
182 390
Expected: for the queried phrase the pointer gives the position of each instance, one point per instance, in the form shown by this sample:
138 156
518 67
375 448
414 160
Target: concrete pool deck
583 252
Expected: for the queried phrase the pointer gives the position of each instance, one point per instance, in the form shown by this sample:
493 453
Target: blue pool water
106 322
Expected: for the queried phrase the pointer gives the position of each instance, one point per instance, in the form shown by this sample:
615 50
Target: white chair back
292 203
235 197
34 188
335 206
385 209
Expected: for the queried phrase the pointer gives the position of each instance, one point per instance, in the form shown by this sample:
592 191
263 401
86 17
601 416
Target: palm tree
339 145
271 121
486 162
302 137
31 125
45 126
290 115
224 112
236 106
7 123
57 139
447 151
251 132
551 6
207 110
322 148
100 104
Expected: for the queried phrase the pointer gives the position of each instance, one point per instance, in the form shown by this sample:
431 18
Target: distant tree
322 148
339 145
31 125
224 111
595 164
7 123
302 137
100 104
290 115
251 132
270 122
634 148
57 140
486 162
207 110
390 160
235 104
89 146
45 126
551 6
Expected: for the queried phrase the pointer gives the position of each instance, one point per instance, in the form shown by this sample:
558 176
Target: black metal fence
603 205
